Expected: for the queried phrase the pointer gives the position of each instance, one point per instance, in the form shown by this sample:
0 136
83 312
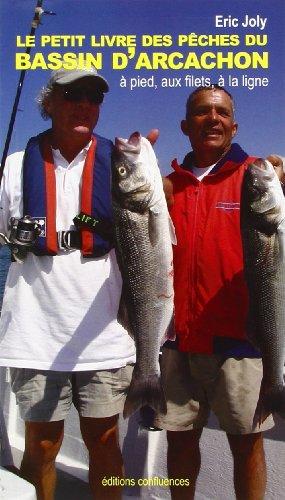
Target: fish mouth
261 177
141 190
136 199
261 173
262 167
261 188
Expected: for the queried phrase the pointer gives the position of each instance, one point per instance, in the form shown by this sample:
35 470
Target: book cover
153 54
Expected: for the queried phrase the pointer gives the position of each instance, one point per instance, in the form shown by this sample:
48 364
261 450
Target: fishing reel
23 234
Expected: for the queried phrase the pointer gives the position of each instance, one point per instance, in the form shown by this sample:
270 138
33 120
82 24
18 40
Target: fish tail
145 391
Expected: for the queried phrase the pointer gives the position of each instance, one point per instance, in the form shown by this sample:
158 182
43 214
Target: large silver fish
143 240
263 235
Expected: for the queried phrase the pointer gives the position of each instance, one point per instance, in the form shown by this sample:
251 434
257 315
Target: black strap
102 227
68 240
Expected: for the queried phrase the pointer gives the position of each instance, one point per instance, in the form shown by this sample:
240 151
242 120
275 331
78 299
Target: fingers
152 136
277 163
275 160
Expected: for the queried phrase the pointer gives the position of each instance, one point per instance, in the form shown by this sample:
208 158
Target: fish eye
122 171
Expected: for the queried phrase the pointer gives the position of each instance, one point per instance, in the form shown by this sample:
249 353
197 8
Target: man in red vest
212 366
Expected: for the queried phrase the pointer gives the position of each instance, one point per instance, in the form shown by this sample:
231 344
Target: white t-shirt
201 172
60 312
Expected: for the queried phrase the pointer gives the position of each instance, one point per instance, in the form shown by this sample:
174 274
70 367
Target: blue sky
260 112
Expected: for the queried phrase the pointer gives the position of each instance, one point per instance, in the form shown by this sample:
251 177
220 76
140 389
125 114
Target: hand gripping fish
143 239
263 235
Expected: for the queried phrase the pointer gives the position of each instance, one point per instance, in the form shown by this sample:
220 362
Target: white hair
42 99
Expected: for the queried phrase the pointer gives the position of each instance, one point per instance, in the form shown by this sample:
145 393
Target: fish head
262 195
130 185
133 175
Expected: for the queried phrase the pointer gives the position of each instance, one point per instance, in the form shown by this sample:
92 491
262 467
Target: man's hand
277 163
152 136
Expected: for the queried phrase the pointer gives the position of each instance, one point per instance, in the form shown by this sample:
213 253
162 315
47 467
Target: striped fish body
263 235
144 252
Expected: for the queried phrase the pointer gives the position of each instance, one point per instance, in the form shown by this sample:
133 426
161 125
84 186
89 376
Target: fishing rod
39 11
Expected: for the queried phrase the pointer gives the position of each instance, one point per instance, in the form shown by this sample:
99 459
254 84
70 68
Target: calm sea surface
4 266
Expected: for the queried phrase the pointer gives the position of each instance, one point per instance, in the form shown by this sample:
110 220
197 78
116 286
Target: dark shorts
45 396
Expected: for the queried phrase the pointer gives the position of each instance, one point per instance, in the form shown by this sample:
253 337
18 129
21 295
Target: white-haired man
59 332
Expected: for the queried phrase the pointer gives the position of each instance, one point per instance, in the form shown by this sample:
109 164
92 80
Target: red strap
51 236
86 196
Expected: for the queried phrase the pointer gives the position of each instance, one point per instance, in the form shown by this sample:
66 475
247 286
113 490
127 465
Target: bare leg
105 459
43 441
183 461
249 466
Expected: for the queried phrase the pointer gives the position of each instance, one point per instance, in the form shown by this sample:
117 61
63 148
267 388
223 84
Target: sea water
5 259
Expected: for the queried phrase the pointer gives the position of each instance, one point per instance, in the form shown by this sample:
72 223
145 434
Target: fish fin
261 413
153 227
145 391
123 315
270 401
172 231
251 327
281 235
252 336
170 333
275 402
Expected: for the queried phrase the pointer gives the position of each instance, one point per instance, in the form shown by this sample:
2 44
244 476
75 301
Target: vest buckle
64 240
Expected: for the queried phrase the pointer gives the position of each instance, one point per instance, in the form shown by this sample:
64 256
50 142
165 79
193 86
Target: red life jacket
211 299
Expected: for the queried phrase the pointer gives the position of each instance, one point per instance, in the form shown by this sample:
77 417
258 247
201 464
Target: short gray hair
42 99
213 86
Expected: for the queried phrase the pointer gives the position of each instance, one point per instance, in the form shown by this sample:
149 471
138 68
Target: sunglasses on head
79 94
